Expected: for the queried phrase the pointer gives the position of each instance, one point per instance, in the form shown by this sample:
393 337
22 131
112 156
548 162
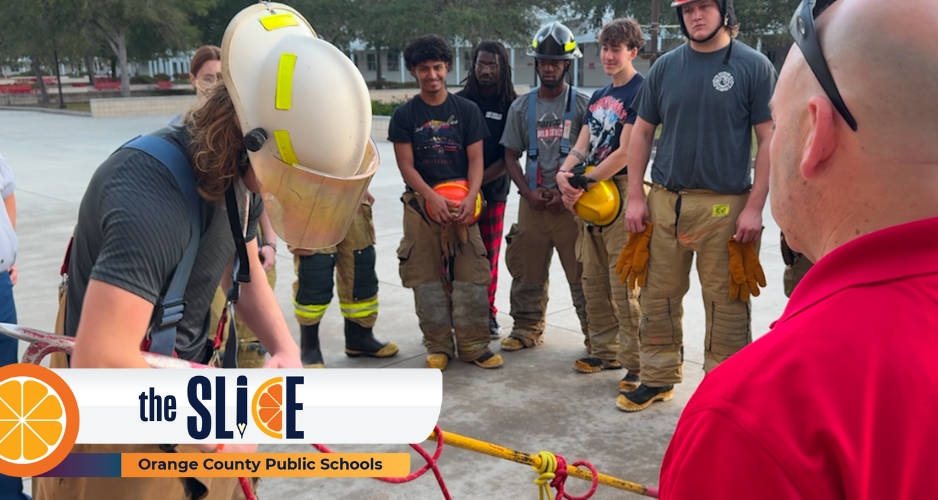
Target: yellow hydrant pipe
497 451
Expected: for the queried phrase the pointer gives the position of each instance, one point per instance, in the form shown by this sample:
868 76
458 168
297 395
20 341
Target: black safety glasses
805 34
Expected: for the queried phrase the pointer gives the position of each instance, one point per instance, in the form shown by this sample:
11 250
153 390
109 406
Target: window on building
394 61
355 59
372 63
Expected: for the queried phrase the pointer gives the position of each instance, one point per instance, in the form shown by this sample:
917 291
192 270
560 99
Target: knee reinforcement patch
315 277
366 279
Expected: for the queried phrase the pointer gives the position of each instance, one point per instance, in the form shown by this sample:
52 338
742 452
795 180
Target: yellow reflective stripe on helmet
278 21
569 46
311 312
285 145
606 189
284 93
359 310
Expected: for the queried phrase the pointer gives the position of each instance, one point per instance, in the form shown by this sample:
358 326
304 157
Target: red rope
431 464
246 488
561 477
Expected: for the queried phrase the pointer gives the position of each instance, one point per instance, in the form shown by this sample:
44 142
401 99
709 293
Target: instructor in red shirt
838 400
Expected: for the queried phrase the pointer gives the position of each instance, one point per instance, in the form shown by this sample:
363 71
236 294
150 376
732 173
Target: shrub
139 79
159 77
379 108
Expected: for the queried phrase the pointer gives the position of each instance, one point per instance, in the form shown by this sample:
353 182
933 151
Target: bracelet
271 245
578 154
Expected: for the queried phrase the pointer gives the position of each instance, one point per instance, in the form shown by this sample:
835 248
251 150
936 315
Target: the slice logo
38 420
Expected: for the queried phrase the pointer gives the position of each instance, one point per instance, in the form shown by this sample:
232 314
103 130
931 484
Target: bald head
830 184
884 58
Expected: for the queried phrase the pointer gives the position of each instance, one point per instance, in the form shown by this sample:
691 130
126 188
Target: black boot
361 341
309 347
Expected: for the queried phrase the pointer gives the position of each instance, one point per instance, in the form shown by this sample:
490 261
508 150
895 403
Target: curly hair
504 86
216 146
622 32
427 48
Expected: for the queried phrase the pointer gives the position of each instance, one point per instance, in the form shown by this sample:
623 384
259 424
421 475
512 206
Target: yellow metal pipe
497 451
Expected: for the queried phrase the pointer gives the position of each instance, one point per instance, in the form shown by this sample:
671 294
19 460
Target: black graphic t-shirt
609 110
439 135
494 112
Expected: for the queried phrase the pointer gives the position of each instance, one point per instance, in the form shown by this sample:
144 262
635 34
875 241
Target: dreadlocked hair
504 87
216 145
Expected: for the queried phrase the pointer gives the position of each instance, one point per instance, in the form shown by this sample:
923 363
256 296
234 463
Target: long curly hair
216 146
504 87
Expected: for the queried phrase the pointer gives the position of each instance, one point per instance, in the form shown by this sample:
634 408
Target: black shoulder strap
171 307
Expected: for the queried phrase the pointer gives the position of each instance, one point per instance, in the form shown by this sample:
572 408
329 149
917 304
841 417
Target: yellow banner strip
265 464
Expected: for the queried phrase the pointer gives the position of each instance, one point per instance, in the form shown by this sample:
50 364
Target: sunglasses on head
805 34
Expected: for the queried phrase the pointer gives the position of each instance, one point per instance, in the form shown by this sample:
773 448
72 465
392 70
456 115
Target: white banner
334 406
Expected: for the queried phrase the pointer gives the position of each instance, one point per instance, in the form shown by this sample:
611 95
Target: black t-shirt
495 114
133 226
438 135
609 110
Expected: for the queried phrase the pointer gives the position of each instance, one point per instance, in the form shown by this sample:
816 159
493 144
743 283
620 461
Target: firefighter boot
361 341
309 347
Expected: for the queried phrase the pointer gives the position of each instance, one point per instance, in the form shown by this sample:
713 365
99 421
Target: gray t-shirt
133 227
550 130
9 243
707 110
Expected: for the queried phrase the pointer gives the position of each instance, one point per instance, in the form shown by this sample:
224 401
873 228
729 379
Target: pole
58 74
497 451
655 24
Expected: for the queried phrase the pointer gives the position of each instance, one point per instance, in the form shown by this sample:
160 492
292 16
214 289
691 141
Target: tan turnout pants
688 223
612 308
530 249
462 307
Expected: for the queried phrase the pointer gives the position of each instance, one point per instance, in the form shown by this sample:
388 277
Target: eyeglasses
805 34
204 82
490 66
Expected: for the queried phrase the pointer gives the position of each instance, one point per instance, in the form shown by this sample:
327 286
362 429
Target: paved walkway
535 402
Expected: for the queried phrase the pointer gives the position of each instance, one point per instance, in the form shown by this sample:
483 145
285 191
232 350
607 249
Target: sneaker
595 365
437 360
643 397
495 331
489 360
512 344
629 382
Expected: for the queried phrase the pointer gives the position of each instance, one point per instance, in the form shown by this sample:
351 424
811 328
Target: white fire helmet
305 113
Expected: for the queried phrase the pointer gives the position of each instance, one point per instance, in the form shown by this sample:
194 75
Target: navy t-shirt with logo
608 112
438 135
706 110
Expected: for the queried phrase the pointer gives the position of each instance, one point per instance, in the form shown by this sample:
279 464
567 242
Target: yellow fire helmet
305 113
600 204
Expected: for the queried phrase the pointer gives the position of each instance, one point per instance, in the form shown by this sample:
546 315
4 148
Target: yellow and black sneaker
643 397
489 360
595 365
629 382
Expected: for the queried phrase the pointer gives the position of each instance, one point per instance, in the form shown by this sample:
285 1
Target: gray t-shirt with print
550 130
706 109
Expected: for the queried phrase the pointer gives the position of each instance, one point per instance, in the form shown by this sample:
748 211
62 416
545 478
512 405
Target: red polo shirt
839 399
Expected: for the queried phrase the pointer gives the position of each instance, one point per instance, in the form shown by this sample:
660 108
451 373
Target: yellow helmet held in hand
600 203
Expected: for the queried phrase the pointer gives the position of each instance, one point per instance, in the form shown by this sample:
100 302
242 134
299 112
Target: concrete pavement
535 402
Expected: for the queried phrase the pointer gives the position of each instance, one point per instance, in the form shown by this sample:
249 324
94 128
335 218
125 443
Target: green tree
118 22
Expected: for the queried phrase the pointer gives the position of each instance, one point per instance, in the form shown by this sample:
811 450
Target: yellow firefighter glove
746 275
632 265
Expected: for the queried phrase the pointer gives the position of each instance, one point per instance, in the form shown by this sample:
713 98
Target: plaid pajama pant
491 225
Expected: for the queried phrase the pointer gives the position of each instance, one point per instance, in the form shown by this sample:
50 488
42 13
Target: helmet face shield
307 208
306 112
554 41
